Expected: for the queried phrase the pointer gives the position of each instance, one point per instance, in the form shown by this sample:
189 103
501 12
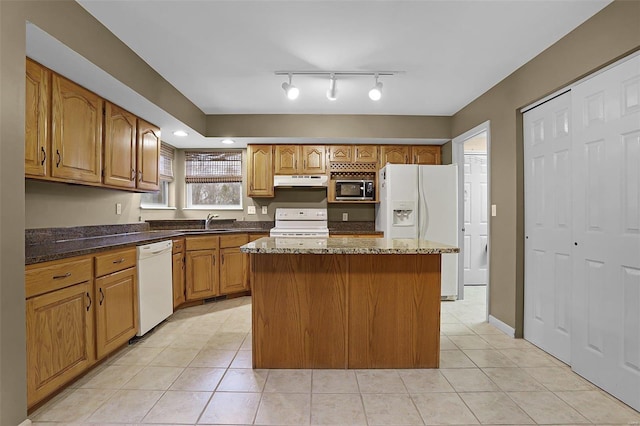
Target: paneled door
548 243
475 219
606 297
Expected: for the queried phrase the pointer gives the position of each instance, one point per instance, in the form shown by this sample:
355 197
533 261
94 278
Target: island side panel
394 311
299 311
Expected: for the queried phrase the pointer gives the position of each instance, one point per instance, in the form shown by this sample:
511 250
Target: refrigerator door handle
423 212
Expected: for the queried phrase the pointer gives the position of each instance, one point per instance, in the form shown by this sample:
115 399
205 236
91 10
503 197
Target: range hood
318 181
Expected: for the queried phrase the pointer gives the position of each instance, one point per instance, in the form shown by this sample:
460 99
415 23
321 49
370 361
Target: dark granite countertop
42 245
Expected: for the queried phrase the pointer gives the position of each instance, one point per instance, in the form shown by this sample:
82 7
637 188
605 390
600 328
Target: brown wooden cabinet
76 132
260 171
426 154
300 159
37 103
148 156
178 270
365 153
394 154
116 291
120 166
233 264
202 267
59 324
341 153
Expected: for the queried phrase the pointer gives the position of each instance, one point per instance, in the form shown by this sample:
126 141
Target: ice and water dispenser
404 213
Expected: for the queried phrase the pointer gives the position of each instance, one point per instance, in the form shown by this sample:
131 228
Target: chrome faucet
210 217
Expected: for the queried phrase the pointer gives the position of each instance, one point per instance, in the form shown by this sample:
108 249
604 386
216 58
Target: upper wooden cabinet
341 153
76 132
394 154
260 171
119 147
365 153
426 154
37 103
300 159
148 156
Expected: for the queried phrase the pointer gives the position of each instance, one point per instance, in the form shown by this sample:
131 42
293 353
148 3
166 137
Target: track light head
291 90
331 92
376 92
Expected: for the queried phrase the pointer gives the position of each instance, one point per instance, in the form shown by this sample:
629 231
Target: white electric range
300 223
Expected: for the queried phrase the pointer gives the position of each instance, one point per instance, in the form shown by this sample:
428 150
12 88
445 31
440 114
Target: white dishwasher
155 287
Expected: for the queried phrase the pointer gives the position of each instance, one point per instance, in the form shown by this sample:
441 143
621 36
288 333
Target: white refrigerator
422 202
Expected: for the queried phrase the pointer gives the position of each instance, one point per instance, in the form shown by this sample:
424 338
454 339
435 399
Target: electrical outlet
118 208
265 210
251 209
345 217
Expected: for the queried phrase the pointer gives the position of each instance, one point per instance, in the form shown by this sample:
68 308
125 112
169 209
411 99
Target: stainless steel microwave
357 190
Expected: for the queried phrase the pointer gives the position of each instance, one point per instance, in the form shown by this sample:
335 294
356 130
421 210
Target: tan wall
328 126
611 34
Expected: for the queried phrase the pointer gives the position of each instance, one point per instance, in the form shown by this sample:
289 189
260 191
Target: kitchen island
345 302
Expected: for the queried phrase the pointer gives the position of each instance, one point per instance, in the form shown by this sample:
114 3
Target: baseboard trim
506 329
25 423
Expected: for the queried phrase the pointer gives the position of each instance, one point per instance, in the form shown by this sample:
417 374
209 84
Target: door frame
457 151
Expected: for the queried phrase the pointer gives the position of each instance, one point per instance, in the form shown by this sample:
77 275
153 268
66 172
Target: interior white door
606 297
475 219
548 243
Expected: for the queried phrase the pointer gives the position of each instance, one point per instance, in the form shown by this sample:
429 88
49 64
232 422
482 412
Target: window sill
214 208
157 208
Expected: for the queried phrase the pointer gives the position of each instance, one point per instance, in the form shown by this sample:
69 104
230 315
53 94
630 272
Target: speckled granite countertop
279 245
52 249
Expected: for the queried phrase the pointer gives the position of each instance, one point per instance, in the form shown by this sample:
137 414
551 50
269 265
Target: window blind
167 153
213 167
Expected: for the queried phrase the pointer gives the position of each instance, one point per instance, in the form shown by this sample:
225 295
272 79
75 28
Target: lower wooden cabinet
60 339
178 271
116 310
233 264
202 276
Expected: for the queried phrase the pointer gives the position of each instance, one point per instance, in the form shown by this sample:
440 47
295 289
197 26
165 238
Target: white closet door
548 252
475 219
606 297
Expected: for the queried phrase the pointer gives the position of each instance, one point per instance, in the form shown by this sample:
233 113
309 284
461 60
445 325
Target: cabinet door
365 154
426 154
394 154
116 310
60 340
179 296
202 274
233 270
148 156
260 171
36 147
341 153
76 129
313 159
119 147
286 159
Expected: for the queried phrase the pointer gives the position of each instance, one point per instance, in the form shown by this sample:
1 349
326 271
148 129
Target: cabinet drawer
202 243
114 261
56 275
178 246
233 240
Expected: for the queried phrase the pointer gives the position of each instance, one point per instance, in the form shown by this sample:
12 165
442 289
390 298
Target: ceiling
222 55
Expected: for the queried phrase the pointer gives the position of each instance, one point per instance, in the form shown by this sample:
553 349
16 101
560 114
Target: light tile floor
196 369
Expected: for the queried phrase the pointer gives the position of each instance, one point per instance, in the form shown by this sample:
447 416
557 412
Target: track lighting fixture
376 92
331 92
291 90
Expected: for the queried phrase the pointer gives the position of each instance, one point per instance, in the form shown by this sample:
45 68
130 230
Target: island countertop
284 245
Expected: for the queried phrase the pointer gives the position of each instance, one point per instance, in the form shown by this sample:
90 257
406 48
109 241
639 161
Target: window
160 199
214 179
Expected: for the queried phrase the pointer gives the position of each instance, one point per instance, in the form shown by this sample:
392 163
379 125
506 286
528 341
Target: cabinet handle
118 261
133 174
140 175
59 277
183 264
406 158
415 159
89 305
101 296
214 261
304 164
44 156
59 158
222 259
